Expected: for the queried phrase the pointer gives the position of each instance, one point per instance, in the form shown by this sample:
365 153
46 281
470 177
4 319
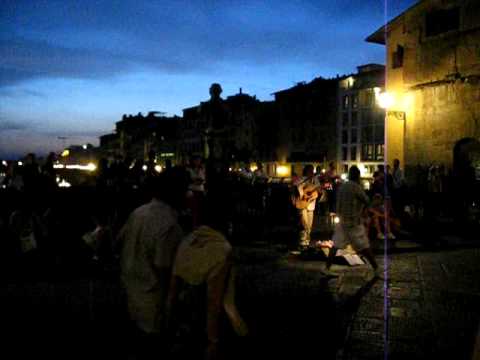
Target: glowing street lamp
385 100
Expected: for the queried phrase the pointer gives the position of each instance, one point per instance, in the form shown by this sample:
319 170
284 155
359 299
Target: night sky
72 68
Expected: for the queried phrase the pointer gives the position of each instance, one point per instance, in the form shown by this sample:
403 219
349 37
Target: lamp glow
385 100
282 170
65 153
158 168
343 177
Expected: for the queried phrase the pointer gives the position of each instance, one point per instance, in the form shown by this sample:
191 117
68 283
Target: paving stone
396 292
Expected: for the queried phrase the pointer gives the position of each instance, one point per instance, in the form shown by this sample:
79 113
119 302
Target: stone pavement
427 307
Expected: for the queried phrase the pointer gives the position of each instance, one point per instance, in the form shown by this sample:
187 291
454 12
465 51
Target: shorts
353 235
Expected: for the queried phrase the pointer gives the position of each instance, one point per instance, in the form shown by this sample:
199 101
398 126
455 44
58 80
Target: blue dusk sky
73 68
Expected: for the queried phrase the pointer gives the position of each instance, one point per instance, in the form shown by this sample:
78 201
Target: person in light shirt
149 241
351 202
306 186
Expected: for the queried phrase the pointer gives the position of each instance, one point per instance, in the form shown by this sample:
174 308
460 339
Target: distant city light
343 176
336 220
282 170
4 163
158 168
58 179
230 169
65 153
58 166
324 171
20 163
85 146
144 167
253 168
89 167
64 184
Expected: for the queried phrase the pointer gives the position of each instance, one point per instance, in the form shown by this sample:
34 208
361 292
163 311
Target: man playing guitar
307 188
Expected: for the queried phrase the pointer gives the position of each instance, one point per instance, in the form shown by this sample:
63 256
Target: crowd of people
168 233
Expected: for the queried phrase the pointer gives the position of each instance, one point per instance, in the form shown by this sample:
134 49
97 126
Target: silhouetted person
31 174
149 241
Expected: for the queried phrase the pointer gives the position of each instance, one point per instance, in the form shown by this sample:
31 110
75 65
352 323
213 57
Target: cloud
101 39
6 125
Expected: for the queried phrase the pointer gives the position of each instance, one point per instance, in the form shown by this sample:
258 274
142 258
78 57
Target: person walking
149 241
351 201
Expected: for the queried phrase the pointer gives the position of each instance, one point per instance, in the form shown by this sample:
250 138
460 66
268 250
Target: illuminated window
354 101
345 102
379 152
441 21
367 152
369 99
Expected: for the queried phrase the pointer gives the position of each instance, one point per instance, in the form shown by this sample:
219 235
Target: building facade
307 132
221 129
433 83
361 120
138 137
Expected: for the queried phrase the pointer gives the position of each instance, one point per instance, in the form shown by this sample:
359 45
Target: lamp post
388 101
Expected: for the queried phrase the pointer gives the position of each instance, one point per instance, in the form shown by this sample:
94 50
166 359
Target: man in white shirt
307 187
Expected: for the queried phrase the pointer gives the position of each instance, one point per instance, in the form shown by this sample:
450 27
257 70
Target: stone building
137 137
307 123
361 120
221 129
433 83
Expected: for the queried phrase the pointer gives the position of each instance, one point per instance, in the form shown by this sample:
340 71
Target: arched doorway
466 157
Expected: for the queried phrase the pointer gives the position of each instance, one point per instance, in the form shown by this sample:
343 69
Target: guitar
310 194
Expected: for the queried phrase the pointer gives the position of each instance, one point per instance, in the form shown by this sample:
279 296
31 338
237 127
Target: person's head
381 168
396 163
169 186
31 159
308 170
354 174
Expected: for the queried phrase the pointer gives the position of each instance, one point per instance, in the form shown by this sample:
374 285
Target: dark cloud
6 125
99 39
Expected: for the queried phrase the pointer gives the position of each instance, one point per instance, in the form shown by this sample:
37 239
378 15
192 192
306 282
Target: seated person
380 212
203 278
